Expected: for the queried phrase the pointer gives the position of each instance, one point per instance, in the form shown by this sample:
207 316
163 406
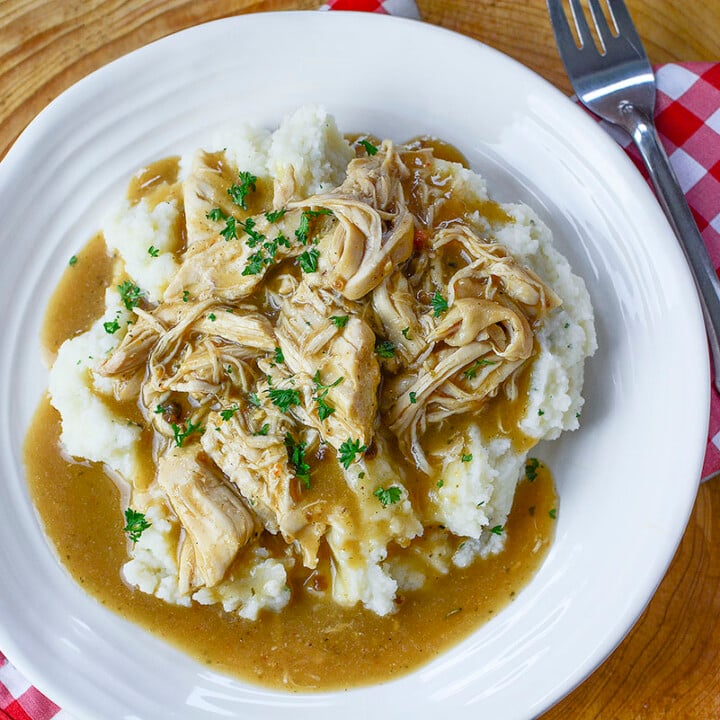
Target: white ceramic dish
627 480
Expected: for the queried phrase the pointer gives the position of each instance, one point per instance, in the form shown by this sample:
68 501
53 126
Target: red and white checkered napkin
687 116
688 119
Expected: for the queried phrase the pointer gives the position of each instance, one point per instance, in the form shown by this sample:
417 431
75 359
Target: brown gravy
307 646
311 644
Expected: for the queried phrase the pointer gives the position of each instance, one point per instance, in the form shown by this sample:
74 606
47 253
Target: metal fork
618 84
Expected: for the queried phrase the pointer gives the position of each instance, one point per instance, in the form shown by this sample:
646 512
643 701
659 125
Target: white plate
627 480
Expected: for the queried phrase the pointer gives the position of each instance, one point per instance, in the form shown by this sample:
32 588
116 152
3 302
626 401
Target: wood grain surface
669 665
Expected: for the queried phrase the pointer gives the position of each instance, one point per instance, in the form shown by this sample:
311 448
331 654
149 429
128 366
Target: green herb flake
73 260
296 456
229 232
531 469
466 457
370 149
180 433
321 391
264 430
186 295
553 513
497 530
385 349
212 317
153 251
406 333
130 294
348 450
160 409
471 372
227 413
284 398
253 399
112 327
216 215
439 484
388 496
274 215
278 356
303 229
308 260
339 320
439 303
541 412
238 192
135 524
413 398
256 264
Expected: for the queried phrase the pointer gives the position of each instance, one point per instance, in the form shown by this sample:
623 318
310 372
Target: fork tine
624 24
605 33
581 23
563 35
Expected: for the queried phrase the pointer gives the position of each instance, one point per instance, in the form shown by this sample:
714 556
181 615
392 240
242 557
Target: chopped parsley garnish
440 483
135 524
229 232
324 410
73 260
254 237
278 356
370 149
153 251
274 215
285 398
497 530
541 412
405 332
466 457
385 349
339 320
258 260
239 191
253 399
553 513
304 227
216 215
181 434
256 265
348 450
308 260
227 413
212 317
112 327
130 294
186 295
439 303
264 430
296 456
531 468
471 372
388 496
160 409
413 398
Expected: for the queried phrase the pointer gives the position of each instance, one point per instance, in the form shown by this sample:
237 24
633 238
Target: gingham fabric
688 119
687 116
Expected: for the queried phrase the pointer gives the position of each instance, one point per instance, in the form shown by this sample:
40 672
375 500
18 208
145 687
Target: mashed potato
471 475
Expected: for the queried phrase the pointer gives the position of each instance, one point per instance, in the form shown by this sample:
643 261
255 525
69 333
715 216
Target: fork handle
673 202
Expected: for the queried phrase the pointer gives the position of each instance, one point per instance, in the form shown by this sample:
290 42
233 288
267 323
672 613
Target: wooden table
669 665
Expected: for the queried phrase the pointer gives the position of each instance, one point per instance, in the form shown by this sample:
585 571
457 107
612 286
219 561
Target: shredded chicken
330 327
